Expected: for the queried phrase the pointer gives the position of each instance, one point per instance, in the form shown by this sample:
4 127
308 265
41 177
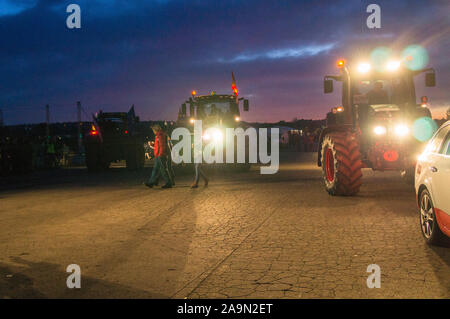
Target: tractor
114 136
378 125
218 111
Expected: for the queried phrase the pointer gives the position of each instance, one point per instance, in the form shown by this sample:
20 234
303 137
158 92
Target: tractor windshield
381 91
214 108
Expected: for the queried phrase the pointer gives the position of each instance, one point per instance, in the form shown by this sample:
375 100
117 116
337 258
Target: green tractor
376 126
217 111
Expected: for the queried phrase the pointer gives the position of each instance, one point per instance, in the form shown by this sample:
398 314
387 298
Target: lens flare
401 130
392 66
364 67
379 57
217 135
415 57
424 128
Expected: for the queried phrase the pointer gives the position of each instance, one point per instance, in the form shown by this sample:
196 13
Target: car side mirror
327 86
246 105
430 79
183 109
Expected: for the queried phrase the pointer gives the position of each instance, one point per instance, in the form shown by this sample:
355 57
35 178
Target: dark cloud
153 53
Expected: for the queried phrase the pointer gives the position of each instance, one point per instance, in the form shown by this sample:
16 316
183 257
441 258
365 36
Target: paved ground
246 235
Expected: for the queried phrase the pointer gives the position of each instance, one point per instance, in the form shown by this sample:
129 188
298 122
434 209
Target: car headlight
379 130
401 130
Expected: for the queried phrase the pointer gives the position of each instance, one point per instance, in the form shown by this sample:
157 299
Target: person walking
199 173
169 161
160 151
198 170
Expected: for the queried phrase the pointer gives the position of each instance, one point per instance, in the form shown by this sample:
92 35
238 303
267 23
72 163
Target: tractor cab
213 110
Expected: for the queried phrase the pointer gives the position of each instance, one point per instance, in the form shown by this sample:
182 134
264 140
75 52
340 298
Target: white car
432 184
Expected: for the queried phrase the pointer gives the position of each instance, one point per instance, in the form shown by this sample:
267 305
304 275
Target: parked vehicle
432 184
114 136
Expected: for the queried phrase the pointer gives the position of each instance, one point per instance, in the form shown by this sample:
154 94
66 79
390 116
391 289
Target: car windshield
380 91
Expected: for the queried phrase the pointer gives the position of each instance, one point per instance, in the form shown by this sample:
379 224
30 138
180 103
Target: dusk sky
154 53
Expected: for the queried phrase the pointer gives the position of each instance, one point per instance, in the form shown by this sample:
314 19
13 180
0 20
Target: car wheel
428 224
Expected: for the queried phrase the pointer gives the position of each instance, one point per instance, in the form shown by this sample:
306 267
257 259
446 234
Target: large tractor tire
341 164
140 160
95 160
92 158
131 160
135 157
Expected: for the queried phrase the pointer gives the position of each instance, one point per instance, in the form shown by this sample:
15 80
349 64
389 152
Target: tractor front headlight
363 67
392 66
213 134
217 135
401 130
379 130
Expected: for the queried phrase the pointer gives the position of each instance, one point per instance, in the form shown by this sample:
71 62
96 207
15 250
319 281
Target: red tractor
379 124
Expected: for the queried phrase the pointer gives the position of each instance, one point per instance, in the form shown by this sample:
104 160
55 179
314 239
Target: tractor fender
326 131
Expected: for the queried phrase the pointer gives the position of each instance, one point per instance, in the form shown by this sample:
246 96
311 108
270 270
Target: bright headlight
401 130
364 67
237 118
392 65
217 135
379 130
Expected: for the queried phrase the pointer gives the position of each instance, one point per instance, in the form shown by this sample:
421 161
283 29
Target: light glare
401 130
379 130
364 67
392 65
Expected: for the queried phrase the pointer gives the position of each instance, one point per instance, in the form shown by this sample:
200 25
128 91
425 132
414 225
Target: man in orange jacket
160 150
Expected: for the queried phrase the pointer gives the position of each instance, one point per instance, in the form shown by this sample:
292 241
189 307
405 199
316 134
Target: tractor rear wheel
341 164
135 157
92 158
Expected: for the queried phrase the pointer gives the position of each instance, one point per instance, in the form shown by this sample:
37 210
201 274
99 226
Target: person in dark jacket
160 150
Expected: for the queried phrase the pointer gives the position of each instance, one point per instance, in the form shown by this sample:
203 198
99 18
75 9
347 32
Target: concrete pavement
245 236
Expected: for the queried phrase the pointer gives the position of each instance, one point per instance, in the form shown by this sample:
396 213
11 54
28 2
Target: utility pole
47 120
79 125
